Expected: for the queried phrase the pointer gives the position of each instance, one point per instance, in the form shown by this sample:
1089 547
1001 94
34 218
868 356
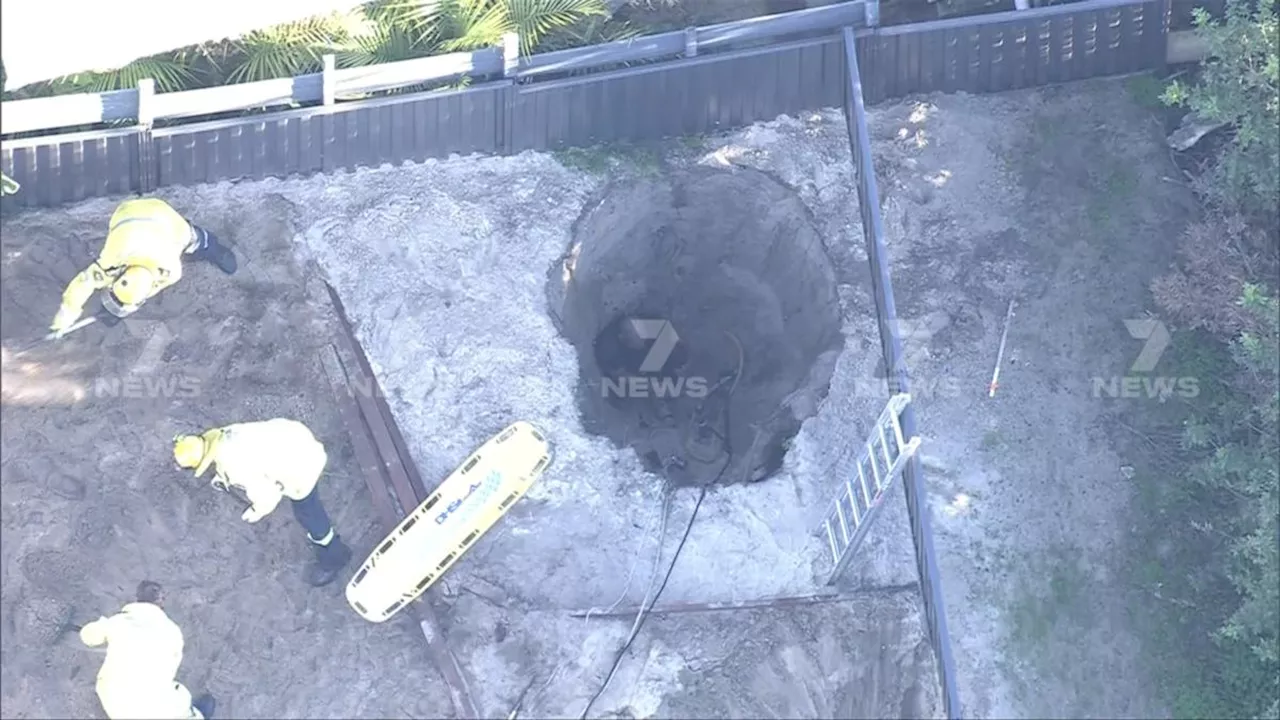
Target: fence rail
228 98
1008 51
542 109
23 116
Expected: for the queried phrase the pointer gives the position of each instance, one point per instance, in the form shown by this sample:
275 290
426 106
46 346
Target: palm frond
379 43
533 19
288 49
589 31
474 24
308 32
418 19
169 72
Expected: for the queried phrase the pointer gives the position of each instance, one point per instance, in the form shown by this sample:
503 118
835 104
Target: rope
647 604
657 560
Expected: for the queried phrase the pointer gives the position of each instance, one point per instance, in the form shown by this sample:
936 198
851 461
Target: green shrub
1240 85
1225 283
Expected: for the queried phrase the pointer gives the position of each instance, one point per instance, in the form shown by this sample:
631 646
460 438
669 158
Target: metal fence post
328 99
328 91
510 50
147 170
691 42
510 54
871 12
1161 49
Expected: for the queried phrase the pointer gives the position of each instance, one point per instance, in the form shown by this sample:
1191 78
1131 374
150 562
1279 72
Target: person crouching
268 461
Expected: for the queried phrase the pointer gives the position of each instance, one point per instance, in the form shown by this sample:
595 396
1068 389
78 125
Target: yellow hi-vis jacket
146 232
144 650
269 460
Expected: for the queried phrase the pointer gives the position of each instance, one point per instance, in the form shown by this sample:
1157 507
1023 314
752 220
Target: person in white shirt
144 650
271 460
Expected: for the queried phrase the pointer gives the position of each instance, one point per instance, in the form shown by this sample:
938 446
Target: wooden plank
390 462
399 448
770 602
373 469
366 457
445 661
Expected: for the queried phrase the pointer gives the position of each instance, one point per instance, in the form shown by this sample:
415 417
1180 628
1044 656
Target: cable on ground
648 604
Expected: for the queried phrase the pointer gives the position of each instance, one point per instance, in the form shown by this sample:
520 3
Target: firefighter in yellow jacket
271 460
144 650
142 255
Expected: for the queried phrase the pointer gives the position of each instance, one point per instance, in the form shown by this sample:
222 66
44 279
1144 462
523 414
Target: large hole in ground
704 310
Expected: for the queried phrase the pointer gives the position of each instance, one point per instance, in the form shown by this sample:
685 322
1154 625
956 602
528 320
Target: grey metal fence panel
275 145
416 127
367 133
73 168
1007 51
897 374
683 97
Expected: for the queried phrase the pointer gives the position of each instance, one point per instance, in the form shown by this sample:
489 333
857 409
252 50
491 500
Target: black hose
702 495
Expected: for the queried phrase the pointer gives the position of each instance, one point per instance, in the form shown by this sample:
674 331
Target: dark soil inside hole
703 306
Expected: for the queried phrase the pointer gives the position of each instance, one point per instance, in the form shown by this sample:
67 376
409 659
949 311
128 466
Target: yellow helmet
188 450
134 285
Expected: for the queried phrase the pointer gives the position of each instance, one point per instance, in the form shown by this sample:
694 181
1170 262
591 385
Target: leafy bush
1235 473
1218 256
1225 283
1242 464
1240 85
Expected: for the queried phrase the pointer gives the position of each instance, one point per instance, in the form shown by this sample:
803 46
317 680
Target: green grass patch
693 142
992 439
1113 199
1047 131
1180 592
1048 611
603 159
1146 90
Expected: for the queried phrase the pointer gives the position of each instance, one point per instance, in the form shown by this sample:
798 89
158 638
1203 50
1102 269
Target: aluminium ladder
880 460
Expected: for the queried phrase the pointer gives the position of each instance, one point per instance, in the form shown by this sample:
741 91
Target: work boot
330 559
209 249
106 318
205 705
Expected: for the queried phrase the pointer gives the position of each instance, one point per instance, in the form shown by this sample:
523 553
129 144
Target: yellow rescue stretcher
432 538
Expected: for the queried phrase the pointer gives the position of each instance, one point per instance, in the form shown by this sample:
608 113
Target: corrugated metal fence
679 97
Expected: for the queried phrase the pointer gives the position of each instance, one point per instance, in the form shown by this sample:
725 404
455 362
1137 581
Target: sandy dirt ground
1063 200
92 502
1043 197
457 327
